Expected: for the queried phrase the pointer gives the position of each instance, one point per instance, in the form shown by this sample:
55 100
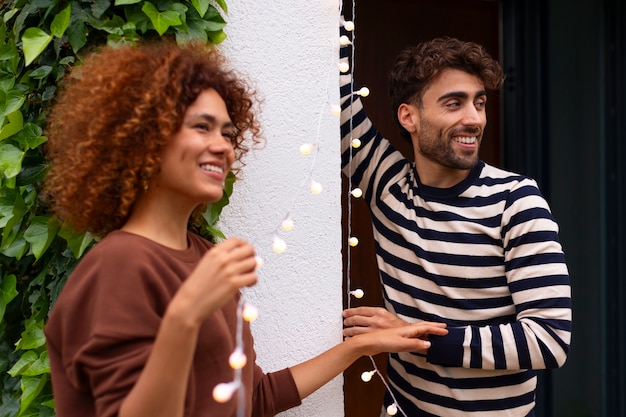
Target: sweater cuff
447 350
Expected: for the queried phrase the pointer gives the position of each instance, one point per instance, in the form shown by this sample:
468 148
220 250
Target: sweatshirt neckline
192 253
455 190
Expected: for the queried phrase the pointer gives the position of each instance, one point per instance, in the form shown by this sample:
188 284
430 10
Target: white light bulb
358 293
356 143
344 67
392 410
237 359
356 193
335 109
249 313
367 376
224 391
344 40
316 187
353 241
348 25
259 262
364 92
287 224
306 148
279 245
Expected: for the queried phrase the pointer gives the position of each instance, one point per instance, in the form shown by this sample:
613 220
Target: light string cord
241 393
390 410
224 391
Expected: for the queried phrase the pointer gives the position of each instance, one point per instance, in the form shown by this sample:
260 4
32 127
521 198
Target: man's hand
361 320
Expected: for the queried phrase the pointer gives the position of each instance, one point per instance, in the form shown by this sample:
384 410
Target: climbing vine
41 40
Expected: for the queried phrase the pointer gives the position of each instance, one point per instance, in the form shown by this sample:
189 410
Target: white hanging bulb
279 245
224 391
306 148
358 293
316 187
356 193
364 92
344 67
356 143
287 224
348 25
249 312
392 410
367 376
335 109
353 241
344 40
237 359
259 262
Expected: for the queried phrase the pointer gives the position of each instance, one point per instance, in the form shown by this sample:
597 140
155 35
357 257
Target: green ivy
41 39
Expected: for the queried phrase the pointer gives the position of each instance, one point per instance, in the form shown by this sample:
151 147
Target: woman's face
194 164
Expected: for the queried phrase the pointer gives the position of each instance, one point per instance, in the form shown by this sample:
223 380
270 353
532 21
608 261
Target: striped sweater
483 257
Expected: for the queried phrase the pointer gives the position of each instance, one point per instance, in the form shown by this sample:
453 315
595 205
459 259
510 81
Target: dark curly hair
114 115
415 67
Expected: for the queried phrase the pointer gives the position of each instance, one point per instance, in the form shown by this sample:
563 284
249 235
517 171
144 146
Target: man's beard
438 148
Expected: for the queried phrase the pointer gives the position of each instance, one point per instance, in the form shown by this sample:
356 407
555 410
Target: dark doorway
381 32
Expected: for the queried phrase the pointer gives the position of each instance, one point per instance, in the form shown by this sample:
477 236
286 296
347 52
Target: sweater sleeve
106 340
538 337
366 162
273 393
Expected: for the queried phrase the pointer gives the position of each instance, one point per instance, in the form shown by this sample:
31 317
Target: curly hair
415 67
115 113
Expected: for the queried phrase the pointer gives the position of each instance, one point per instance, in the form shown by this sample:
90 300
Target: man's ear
408 116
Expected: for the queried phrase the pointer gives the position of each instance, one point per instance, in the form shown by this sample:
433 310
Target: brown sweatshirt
103 325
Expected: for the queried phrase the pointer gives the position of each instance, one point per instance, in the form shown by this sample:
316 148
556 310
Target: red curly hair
114 115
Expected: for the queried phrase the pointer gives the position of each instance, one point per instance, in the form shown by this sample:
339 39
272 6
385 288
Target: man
457 241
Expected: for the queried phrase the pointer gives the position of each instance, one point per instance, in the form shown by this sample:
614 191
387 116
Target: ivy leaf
40 234
13 101
12 211
7 293
10 160
124 2
16 249
30 137
29 357
34 42
61 22
99 7
31 387
161 20
222 4
77 242
201 6
41 72
213 210
14 125
33 336
77 35
31 365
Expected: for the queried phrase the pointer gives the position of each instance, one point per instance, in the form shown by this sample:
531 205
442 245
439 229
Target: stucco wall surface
288 49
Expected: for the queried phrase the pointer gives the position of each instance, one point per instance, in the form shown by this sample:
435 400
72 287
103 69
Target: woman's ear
408 116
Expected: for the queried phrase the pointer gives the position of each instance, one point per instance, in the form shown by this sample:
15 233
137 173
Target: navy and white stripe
482 256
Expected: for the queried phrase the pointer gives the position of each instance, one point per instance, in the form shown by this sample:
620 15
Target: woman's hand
407 338
224 269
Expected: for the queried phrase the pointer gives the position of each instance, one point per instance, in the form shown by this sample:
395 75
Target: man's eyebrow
461 94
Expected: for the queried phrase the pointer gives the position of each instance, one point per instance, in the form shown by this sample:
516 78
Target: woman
140 140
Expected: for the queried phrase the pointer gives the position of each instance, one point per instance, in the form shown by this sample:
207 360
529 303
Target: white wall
289 49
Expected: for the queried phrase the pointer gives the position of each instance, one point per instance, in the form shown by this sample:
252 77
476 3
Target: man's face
452 120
